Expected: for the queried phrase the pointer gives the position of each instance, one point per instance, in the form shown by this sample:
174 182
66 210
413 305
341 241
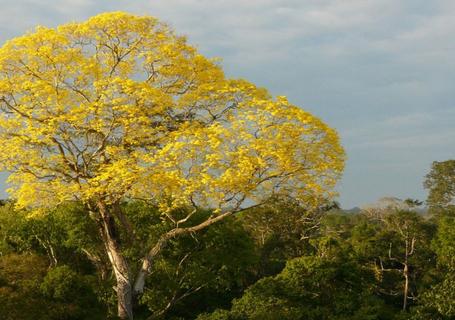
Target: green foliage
309 288
281 230
20 276
15 231
278 262
444 241
63 234
441 184
218 314
196 274
29 291
438 302
64 285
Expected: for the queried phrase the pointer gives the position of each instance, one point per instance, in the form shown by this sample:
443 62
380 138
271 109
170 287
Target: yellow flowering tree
119 107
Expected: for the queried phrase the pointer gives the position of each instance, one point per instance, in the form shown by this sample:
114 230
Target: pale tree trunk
118 262
409 251
406 286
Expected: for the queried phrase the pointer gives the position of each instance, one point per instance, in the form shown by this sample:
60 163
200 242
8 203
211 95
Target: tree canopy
119 106
440 182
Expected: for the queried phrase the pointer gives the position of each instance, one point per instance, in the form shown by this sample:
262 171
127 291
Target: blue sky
382 72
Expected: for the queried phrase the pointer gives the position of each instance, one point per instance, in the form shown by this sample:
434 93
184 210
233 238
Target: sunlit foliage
119 106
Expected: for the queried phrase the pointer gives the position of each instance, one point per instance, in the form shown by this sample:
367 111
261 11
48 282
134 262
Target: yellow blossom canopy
120 107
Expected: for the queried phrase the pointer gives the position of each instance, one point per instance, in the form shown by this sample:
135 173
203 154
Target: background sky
382 72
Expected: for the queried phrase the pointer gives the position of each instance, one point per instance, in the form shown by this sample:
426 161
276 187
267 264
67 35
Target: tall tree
406 227
441 185
119 107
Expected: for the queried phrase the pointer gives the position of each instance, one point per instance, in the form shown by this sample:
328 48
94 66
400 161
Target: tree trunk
118 262
406 286
409 250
